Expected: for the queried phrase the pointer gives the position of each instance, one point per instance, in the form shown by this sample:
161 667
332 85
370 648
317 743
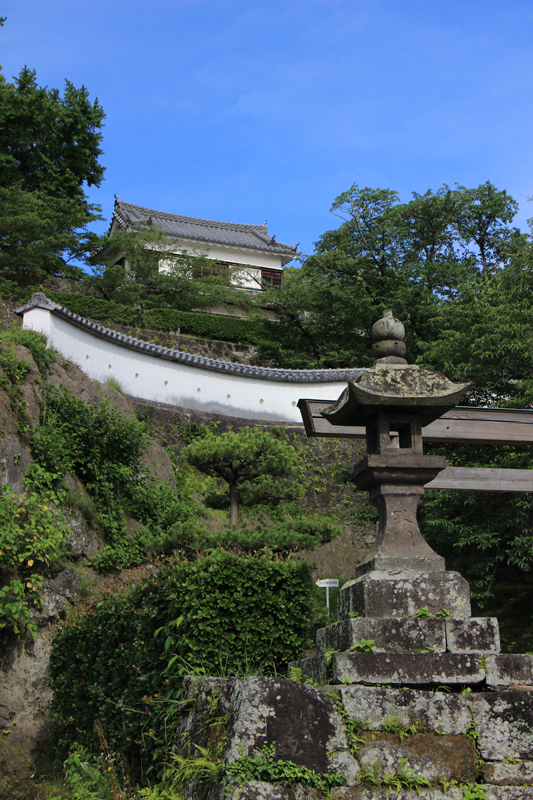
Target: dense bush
95 308
166 320
32 535
296 532
119 660
104 450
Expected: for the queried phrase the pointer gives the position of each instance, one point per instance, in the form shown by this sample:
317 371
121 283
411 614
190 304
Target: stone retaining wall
438 743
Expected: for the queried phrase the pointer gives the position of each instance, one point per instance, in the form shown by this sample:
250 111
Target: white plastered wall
152 378
235 255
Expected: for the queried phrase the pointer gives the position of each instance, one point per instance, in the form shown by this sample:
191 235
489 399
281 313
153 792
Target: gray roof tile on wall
39 300
233 234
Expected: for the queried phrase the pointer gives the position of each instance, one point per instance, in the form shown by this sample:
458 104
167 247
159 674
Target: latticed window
218 269
273 277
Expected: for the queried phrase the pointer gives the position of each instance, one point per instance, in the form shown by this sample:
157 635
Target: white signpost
326 583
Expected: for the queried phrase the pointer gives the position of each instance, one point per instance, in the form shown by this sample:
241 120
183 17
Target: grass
115 384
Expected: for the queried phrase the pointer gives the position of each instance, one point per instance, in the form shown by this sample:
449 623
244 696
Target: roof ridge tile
39 300
247 235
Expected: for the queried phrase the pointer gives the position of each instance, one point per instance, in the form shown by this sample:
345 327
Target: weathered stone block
314 669
258 790
501 774
410 668
56 594
477 634
301 721
508 669
430 756
434 711
402 635
401 593
504 722
267 791
507 792
191 727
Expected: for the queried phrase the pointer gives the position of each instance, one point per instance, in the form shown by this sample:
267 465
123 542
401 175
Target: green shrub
299 533
166 320
104 450
120 659
32 533
35 341
95 308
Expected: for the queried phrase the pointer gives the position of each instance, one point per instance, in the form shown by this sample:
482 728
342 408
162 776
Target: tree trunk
234 503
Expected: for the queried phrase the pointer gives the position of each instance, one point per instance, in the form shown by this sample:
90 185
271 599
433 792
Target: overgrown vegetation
136 516
104 450
119 660
32 538
264 766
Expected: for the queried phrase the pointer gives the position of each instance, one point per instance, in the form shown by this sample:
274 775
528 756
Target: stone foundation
409 695
381 741
403 593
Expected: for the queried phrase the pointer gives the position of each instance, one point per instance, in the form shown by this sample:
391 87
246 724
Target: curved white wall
154 378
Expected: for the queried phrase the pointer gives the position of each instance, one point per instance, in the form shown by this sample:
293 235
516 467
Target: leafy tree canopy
49 142
49 152
140 267
421 258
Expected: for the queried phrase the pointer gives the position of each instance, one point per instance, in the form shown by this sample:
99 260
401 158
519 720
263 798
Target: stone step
500 773
258 790
504 723
474 635
394 668
497 671
407 635
509 669
388 635
432 757
375 707
403 593
408 668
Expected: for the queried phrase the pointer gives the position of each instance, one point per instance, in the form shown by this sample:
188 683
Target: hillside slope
55 424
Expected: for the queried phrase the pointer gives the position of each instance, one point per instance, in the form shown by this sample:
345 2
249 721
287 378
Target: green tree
252 462
483 334
49 152
460 277
416 257
140 267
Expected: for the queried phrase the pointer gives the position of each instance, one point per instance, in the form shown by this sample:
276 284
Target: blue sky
254 111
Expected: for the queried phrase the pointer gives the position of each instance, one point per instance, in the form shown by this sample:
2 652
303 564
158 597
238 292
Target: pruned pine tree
251 461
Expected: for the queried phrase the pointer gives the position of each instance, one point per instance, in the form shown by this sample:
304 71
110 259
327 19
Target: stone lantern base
402 593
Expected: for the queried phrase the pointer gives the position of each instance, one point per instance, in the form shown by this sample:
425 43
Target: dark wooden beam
460 425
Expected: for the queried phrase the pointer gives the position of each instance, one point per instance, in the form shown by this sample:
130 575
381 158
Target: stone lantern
394 400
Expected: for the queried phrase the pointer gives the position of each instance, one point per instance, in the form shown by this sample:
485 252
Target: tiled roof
39 300
233 234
